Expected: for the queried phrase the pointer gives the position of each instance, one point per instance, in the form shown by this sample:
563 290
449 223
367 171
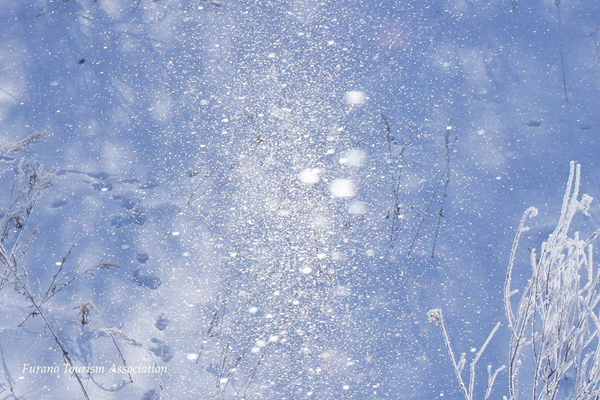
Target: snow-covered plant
556 318
554 324
436 316
22 194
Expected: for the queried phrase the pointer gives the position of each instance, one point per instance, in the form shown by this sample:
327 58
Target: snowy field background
268 177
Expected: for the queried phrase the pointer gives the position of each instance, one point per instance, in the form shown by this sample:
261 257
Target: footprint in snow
126 202
103 186
148 185
99 175
161 349
161 322
59 203
120 221
151 395
143 257
147 281
138 217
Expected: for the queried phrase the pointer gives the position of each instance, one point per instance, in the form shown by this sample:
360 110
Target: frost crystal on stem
556 317
555 324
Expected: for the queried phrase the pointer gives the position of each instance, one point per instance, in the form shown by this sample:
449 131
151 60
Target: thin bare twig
560 46
444 179
397 178
114 332
449 149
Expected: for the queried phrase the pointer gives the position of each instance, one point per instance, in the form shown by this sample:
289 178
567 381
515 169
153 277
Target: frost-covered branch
555 324
30 184
436 316
558 309
13 148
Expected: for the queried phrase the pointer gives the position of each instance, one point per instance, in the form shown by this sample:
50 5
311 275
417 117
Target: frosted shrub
553 321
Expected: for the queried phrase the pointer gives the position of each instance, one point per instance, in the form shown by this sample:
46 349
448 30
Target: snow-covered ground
283 189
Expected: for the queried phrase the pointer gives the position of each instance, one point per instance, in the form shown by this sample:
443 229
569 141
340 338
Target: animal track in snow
161 322
59 203
161 349
142 257
147 281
